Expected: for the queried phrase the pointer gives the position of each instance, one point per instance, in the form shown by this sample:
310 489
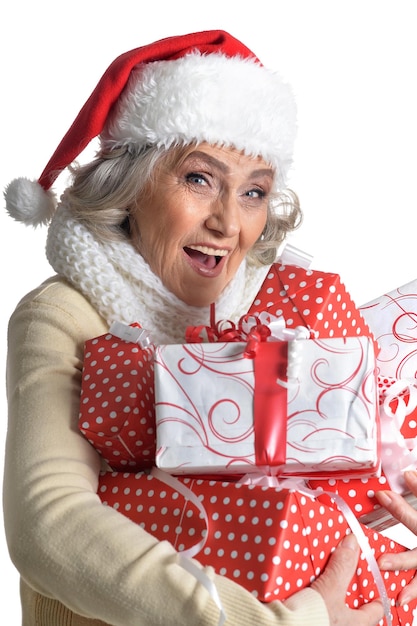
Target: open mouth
206 257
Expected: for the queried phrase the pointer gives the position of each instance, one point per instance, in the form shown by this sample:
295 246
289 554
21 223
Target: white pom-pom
28 202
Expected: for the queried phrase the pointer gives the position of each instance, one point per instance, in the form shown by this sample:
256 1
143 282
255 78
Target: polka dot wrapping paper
358 493
271 541
305 407
117 401
311 298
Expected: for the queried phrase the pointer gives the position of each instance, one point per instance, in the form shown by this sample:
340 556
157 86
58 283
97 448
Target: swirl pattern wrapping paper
317 415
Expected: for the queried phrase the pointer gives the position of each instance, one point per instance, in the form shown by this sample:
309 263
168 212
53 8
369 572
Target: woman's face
202 215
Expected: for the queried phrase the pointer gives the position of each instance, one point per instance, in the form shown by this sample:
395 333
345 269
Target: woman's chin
201 292
199 302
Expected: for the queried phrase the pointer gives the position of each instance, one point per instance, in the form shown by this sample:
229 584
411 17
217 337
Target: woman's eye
256 193
197 179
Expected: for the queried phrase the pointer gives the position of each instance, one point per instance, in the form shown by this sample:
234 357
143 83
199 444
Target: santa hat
205 86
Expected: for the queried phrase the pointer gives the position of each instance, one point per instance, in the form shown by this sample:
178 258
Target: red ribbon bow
249 328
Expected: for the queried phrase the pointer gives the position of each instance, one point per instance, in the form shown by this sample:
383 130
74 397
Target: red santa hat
204 86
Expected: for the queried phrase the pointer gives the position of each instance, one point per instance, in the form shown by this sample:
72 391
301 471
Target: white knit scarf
118 282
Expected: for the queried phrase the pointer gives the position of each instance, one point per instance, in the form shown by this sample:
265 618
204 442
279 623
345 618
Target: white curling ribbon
275 324
189 495
279 330
185 556
396 392
294 334
202 578
295 360
249 322
291 255
262 477
133 334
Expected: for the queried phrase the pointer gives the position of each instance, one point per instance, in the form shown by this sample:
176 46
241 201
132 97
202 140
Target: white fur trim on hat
214 98
28 202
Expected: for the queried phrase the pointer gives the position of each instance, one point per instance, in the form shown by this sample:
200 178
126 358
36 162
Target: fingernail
384 563
384 497
350 542
405 599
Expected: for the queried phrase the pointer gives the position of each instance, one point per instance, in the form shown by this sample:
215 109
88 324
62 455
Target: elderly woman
184 206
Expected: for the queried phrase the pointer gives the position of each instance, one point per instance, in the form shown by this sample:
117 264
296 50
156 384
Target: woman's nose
224 216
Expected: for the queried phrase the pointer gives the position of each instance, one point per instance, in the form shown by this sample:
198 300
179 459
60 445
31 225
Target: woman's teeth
209 257
207 250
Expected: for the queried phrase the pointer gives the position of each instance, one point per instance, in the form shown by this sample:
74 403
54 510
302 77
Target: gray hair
104 191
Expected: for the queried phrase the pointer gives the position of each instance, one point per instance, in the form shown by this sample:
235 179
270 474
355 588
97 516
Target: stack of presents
257 446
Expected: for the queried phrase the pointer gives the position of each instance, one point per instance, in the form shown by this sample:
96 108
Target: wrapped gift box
316 300
392 318
117 400
358 493
272 541
303 407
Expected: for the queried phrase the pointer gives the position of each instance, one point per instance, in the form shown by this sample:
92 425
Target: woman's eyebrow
210 160
225 168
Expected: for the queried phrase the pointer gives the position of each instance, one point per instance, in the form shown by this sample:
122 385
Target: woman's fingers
408 594
405 514
411 480
398 560
334 581
333 584
368 614
398 507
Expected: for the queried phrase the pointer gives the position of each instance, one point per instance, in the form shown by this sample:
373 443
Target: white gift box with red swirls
392 318
393 321
307 407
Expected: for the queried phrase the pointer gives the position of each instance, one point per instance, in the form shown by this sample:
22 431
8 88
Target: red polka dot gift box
271 541
316 300
117 398
306 407
358 493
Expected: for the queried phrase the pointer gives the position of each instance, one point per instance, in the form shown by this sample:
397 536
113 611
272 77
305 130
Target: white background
353 67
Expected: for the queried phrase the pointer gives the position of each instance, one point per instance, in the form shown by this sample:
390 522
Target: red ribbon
270 403
270 371
249 328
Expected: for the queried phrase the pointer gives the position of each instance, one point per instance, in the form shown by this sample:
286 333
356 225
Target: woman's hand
333 583
404 513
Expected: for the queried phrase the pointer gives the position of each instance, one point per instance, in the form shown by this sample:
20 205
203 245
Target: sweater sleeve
63 541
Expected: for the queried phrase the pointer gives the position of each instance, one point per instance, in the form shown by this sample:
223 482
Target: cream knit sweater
72 551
